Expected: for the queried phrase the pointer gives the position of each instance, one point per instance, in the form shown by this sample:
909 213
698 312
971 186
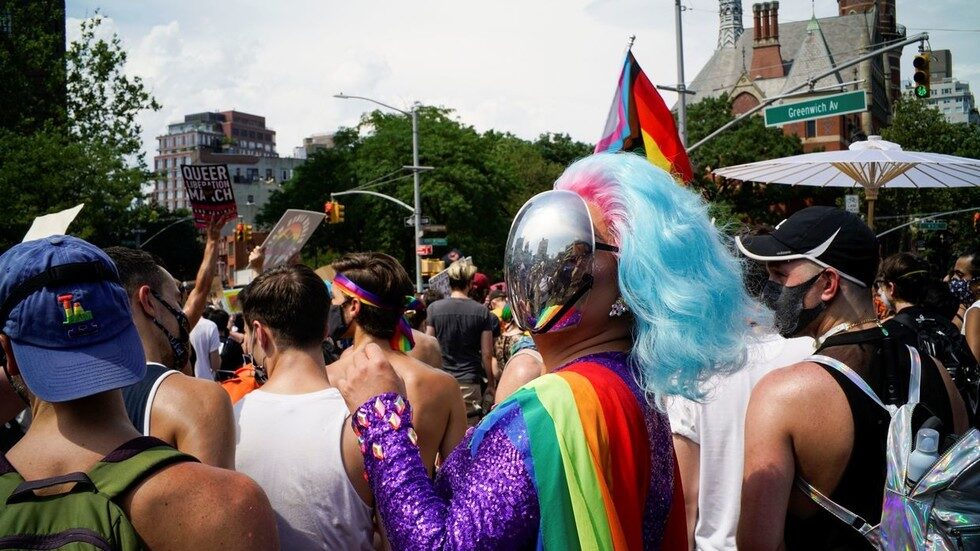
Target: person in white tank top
291 445
292 433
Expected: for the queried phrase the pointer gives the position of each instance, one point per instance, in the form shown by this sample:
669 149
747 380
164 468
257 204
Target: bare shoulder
189 396
426 349
525 366
418 373
336 370
186 495
794 385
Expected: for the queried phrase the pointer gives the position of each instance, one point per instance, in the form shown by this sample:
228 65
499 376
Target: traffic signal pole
809 84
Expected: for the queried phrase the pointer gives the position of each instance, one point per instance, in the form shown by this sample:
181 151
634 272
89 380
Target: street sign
933 225
424 250
410 221
851 204
816 108
438 241
435 228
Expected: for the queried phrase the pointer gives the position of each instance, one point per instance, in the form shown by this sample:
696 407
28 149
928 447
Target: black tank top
136 396
861 486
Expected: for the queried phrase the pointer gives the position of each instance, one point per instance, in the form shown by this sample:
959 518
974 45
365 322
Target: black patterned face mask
786 303
180 344
961 290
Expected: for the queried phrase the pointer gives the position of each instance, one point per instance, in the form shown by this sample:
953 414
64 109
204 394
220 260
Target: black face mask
336 325
181 343
791 318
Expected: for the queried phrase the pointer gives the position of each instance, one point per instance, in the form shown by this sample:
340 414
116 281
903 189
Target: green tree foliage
917 127
170 235
90 157
103 102
32 70
477 184
738 203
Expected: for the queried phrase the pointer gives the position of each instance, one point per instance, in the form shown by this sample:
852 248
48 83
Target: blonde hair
461 274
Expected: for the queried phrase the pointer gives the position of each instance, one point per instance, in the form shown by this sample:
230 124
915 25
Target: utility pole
682 97
418 202
415 168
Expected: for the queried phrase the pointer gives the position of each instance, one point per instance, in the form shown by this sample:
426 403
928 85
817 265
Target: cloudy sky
523 66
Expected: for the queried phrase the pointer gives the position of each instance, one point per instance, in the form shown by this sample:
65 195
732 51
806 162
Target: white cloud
514 65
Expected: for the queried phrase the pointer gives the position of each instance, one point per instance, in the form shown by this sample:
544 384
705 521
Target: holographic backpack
942 510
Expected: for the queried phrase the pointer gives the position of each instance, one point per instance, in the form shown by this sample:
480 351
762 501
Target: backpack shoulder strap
132 462
906 319
846 371
842 513
915 376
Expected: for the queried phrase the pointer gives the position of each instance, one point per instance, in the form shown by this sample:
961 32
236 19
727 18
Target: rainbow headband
402 339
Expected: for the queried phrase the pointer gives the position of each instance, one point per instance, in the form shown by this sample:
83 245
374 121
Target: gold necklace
849 326
841 328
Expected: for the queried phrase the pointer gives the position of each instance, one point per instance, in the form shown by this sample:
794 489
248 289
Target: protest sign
52 224
230 301
209 190
290 233
440 281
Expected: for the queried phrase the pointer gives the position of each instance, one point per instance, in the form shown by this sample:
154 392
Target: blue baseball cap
68 319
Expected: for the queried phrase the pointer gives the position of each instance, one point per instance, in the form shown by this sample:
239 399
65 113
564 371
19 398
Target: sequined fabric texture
484 500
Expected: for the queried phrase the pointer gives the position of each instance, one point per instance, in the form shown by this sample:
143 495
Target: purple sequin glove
484 500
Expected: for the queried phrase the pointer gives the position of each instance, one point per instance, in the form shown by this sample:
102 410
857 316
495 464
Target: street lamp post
414 114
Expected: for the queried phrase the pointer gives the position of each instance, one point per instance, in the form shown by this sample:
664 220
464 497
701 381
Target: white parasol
872 165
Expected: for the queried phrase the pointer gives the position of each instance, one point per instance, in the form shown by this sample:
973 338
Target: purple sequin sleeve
484 500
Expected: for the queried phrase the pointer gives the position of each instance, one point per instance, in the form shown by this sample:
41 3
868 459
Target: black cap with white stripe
827 236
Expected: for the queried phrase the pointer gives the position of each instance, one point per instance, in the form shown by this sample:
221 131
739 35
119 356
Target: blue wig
683 285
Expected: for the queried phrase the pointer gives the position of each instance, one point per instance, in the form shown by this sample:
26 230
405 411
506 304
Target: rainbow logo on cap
74 313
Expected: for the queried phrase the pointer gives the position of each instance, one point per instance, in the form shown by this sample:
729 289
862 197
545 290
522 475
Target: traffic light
239 232
921 75
334 212
248 232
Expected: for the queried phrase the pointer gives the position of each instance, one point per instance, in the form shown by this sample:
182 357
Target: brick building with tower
773 57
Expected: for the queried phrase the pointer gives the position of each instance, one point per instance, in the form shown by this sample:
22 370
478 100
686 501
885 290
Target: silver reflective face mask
548 261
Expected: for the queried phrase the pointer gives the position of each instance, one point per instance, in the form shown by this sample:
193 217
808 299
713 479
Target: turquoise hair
682 284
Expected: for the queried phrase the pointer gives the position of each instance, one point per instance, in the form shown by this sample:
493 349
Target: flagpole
682 96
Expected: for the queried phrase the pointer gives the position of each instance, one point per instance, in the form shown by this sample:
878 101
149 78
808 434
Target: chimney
765 22
767 61
774 21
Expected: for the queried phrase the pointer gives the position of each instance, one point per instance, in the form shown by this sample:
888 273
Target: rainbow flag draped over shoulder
588 454
639 113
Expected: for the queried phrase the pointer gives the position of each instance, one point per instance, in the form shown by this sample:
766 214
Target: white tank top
290 444
967 311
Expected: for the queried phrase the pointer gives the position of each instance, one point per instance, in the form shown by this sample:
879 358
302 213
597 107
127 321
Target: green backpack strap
132 462
9 479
